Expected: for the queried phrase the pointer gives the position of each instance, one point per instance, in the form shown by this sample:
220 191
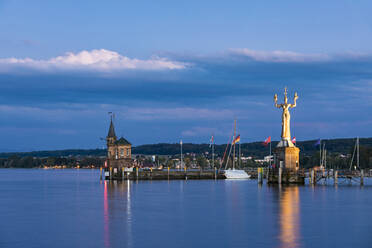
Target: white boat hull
236 174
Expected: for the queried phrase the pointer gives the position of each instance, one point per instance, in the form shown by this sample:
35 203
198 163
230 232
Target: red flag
211 141
294 140
237 139
267 141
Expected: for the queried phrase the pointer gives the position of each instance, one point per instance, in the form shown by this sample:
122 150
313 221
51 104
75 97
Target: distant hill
57 153
255 149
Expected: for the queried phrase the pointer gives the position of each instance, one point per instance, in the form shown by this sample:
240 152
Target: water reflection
106 231
117 213
289 217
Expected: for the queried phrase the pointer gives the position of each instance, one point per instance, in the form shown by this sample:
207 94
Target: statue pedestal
287 157
287 165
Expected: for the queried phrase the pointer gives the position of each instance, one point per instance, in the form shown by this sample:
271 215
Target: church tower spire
111 136
119 151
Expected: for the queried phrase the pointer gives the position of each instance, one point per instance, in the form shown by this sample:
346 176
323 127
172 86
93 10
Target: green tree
202 161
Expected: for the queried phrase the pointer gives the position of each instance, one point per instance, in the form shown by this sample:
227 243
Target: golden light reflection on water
289 218
116 198
106 217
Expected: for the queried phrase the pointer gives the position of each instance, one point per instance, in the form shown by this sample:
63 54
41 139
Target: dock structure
336 177
140 174
285 170
120 166
285 176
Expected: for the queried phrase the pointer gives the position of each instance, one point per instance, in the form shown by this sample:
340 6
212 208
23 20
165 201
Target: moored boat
236 174
232 173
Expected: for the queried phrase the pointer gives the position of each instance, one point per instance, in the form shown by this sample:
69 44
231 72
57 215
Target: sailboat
356 149
232 173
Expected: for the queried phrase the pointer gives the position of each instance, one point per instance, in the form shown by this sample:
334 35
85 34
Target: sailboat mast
228 156
234 144
358 152
352 158
240 156
323 155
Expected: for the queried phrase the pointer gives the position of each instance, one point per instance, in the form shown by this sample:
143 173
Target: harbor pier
285 176
336 177
152 174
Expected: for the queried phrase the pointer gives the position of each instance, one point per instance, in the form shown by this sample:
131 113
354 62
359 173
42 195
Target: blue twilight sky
181 69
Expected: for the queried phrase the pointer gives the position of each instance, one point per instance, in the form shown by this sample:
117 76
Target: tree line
339 153
15 161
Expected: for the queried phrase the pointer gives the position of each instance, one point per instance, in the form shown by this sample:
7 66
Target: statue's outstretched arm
294 101
276 101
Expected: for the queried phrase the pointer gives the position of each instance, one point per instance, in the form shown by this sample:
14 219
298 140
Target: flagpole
320 152
213 153
270 153
234 144
181 156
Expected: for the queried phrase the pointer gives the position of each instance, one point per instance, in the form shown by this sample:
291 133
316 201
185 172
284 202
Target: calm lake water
72 208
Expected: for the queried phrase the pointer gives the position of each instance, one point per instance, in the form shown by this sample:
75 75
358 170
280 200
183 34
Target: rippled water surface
72 208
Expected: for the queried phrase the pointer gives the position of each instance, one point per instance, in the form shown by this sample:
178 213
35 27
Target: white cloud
280 56
97 60
106 61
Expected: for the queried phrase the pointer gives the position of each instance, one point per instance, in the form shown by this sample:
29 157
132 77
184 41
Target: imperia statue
286 117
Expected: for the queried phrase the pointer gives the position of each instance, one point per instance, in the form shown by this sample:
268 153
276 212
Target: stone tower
119 151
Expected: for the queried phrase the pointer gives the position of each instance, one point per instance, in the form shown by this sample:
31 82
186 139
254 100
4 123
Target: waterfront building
119 151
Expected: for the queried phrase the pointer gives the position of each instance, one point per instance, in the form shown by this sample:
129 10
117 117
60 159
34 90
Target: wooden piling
136 172
185 168
122 173
100 173
110 173
362 177
259 177
336 177
215 173
168 172
280 175
313 177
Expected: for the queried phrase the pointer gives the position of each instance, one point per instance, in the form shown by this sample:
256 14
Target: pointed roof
122 141
111 132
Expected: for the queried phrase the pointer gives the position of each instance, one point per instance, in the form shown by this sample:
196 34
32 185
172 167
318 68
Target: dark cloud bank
65 108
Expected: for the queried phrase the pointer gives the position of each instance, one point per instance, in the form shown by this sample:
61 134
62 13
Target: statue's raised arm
294 101
276 101
286 116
